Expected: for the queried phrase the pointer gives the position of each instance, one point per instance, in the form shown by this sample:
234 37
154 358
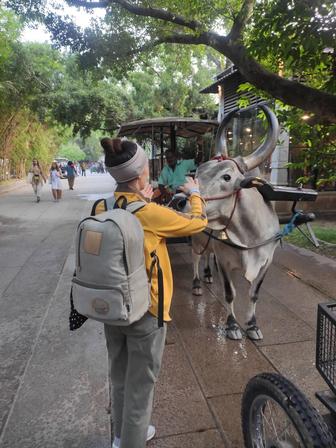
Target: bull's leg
233 330
196 284
252 330
207 271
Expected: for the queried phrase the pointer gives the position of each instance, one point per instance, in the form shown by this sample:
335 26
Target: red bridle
221 196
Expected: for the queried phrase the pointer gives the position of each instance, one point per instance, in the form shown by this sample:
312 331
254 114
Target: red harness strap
221 196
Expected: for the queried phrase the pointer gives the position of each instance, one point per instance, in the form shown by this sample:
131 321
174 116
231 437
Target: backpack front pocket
108 305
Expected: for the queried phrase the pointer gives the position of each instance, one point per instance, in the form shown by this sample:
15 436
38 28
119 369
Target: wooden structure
157 129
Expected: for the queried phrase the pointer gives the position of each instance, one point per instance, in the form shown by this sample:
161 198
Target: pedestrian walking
36 178
71 173
55 181
83 168
101 168
135 351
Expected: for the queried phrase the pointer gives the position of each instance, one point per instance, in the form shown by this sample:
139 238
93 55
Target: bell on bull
248 221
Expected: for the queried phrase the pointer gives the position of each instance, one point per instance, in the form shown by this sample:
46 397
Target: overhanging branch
321 103
174 38
241 20
296 94
187 39
293 93
158 14
88 4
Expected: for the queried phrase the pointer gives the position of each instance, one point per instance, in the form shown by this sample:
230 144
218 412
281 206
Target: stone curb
317 257
313 269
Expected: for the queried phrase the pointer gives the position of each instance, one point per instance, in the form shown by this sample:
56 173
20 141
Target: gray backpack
110 283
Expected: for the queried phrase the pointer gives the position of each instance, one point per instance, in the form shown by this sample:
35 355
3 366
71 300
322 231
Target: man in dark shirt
71 172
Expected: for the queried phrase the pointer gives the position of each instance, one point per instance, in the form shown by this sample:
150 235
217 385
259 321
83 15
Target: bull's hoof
234 332
207 275
254 333
196 287
197 291
208 279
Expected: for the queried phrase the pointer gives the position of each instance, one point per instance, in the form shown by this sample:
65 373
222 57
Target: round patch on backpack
100 306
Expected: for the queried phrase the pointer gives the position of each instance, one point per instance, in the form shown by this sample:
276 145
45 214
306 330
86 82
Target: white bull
243 229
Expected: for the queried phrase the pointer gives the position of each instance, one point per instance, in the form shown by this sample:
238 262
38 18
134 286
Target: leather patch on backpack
92 242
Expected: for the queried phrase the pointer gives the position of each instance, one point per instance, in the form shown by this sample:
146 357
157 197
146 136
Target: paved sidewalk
204 374
13 184
53 382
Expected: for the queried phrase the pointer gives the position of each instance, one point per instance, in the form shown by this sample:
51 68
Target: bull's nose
251 182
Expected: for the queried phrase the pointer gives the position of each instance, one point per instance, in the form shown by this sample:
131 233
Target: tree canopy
51 103
285 48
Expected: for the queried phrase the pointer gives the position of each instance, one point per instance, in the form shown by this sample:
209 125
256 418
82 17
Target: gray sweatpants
135 355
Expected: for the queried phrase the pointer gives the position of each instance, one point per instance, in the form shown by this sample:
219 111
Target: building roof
231 79
184 127
213 88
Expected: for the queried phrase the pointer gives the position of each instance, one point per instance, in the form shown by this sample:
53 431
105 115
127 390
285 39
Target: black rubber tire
307 422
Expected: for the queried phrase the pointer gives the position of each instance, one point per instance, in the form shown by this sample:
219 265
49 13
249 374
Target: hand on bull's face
147 192
190 184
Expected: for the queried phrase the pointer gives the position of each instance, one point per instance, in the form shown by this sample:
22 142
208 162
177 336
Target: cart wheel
275 414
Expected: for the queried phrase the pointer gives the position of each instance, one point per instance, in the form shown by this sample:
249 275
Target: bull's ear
252 182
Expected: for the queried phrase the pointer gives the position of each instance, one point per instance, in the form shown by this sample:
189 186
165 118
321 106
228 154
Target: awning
182 127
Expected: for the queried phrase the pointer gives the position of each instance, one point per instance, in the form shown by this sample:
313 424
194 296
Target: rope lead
290 226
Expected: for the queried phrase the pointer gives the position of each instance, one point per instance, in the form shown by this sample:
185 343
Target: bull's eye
227 177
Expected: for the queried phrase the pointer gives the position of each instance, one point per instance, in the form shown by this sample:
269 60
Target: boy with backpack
134 340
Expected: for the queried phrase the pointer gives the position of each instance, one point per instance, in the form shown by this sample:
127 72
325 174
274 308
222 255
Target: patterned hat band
131 169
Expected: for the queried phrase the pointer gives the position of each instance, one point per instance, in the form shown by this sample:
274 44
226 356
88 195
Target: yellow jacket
159 223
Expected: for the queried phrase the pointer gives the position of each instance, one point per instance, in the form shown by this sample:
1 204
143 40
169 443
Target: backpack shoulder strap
156 261
95 205
131 207
135 206
108 205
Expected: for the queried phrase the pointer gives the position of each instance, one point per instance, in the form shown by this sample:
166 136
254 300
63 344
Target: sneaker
150 435
150 432
38 199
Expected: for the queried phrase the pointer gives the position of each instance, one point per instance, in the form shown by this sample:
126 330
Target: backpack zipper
92 285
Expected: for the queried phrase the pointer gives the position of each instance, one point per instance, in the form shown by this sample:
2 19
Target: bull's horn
220 142
268 146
